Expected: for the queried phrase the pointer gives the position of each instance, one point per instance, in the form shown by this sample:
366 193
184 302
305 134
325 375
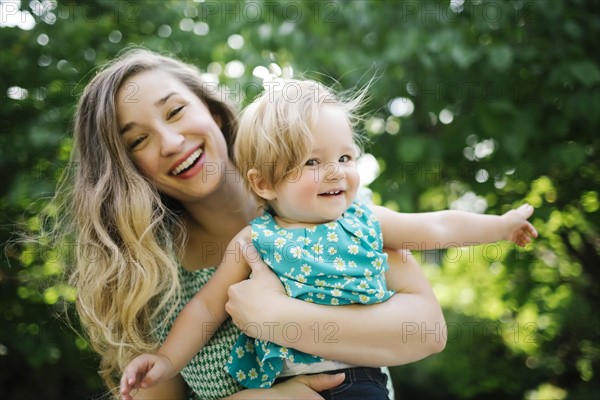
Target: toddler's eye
345 158
312 162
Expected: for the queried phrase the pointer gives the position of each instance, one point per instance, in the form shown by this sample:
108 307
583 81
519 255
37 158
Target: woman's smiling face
172 137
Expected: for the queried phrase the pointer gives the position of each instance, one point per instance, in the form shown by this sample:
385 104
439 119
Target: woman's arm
298 387
449 228
406 328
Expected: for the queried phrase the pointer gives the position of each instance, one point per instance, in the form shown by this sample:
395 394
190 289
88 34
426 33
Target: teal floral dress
341 262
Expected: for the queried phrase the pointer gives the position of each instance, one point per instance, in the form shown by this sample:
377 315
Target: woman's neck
212 222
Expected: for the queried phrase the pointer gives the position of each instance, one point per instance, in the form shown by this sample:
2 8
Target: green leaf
501 57
411 148
465 56
586 72
572 155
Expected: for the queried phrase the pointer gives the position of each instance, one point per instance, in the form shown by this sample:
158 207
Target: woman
155 199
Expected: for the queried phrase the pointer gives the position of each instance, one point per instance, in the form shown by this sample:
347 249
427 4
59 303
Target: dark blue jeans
361 383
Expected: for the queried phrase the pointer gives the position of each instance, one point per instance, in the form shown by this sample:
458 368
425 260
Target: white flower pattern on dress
315 272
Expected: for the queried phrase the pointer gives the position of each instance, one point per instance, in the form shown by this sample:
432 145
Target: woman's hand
298 387
261 308
250 300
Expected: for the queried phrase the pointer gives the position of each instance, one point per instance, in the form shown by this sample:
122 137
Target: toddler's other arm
204 313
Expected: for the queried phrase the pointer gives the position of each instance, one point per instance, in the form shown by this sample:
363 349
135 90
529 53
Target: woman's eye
136 142
345 158
174 111
312 162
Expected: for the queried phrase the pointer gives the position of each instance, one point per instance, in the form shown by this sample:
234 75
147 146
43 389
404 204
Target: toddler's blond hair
274 131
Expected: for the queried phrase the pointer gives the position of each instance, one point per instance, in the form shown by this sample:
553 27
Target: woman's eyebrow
158 103
127 127
162 101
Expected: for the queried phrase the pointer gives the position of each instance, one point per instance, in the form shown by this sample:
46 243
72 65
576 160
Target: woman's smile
185 168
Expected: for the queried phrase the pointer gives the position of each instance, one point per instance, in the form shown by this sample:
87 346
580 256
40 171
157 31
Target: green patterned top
205 374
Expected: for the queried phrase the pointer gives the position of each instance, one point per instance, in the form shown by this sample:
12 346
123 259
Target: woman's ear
259 186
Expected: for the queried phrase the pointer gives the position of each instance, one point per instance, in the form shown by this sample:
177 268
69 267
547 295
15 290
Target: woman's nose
171 142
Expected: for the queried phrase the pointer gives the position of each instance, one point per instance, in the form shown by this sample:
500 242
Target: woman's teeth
333 192
188 162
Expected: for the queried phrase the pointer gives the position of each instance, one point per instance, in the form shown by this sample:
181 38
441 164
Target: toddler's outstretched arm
443 229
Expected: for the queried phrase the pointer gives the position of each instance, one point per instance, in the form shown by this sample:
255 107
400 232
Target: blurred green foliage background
479 105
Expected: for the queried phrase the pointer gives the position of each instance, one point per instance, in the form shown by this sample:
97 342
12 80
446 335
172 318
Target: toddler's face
327 184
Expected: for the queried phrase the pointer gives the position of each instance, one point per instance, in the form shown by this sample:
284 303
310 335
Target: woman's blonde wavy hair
125 265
